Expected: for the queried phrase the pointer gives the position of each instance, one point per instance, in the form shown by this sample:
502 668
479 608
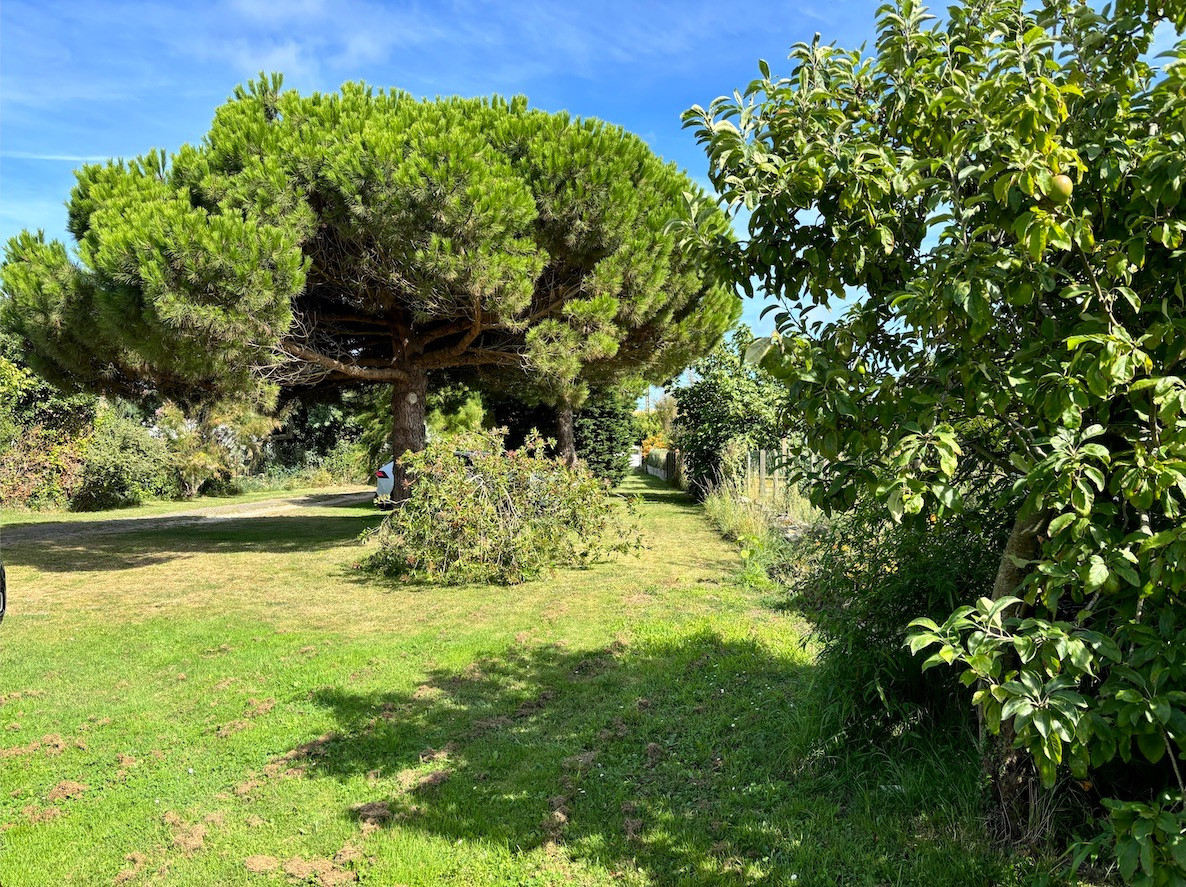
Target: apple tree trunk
1010 772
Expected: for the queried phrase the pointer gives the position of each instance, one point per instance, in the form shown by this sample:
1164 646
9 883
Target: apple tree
976 232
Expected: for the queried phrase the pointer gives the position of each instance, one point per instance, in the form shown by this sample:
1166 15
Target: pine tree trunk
566 445
407 426
1011 773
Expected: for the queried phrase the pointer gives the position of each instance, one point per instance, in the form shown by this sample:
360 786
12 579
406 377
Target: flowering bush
654 442
479 513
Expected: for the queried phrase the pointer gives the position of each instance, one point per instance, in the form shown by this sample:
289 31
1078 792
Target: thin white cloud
65 158
248 57
280 12
812 13
307 41
317 42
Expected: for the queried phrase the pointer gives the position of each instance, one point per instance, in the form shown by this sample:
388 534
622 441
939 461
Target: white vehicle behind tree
384 484
385 478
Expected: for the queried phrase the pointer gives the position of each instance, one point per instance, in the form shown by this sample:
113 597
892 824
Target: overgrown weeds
743 508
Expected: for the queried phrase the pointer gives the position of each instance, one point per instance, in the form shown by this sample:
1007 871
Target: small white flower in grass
794 877
191 771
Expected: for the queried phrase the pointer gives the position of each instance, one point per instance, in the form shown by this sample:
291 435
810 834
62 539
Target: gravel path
57 531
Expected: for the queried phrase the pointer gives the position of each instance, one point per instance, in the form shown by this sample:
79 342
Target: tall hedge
729 409
603 428
604 431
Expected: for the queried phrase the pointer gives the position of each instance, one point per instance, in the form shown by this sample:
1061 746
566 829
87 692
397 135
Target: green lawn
234 703
14 517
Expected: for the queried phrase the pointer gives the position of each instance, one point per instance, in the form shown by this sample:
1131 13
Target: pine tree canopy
367 236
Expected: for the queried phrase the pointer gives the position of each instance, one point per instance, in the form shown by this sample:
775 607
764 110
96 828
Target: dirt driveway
55 531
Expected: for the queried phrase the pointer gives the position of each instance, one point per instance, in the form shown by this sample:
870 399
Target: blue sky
84 81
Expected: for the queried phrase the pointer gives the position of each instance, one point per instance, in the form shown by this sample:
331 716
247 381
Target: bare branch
566 293
352 318
447 329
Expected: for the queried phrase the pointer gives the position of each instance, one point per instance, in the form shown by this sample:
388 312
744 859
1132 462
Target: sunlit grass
219 703
12 517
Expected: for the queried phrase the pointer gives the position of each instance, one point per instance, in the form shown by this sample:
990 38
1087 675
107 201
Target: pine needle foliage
366 237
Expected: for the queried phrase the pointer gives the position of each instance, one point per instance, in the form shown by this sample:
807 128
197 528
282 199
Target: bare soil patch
261 864
66 789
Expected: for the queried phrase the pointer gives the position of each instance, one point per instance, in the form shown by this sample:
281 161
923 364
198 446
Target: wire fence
766 472
762 479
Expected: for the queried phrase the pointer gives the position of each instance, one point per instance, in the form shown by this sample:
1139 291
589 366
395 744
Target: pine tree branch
385 374
352 318
476 357
566 293
447 329
472 334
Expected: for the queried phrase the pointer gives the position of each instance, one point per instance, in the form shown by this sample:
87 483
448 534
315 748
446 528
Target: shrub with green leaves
309 432
656 420
731 408
477 512
344 463
40 468
603 428
647 423
122 464
214 443
27 400
42 432
860 578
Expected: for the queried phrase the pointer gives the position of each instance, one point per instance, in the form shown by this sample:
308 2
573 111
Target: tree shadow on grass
144 546
336 500
687 760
